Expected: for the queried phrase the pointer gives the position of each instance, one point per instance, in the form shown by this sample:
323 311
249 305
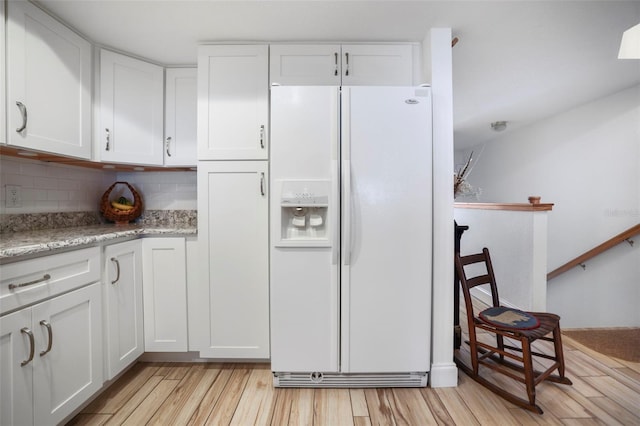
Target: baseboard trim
443 375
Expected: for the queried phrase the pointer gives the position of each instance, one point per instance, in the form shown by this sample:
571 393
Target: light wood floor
604 391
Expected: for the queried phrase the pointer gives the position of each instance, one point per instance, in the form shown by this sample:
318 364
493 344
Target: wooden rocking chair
510 327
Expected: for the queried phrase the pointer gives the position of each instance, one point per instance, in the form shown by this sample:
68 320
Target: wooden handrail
612 242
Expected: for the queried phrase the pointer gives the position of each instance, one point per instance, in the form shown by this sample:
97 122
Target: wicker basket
120 216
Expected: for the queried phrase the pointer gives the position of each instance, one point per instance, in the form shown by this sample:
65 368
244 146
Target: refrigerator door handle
347 211
335 219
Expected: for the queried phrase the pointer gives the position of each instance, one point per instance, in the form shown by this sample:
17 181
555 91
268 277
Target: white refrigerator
350 226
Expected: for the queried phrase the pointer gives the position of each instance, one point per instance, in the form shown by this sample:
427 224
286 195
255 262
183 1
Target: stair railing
612 242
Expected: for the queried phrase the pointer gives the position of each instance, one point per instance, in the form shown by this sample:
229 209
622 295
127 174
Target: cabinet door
16 369
122 290
49 83
165 294
305 64
233 233
68 362
377 65
233 102
131 110
180 142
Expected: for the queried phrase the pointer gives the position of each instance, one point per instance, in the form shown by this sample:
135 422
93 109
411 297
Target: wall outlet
13 196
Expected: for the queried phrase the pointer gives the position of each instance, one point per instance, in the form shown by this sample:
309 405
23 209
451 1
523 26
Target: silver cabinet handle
346 71
46 325
168 143
335 71
23 111
114 260
106 148
262 189
32 345
45 277
262 136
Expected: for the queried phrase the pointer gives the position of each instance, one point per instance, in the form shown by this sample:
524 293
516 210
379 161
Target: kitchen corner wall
48 187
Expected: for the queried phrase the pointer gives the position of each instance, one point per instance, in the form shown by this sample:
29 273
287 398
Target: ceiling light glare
630 44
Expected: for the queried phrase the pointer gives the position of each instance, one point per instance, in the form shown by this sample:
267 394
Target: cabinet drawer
26 282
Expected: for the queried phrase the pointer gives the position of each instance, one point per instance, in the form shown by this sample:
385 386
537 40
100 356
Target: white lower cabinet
234 251
123 318
165 294
50 358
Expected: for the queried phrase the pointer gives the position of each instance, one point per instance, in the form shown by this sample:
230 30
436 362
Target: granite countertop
42 241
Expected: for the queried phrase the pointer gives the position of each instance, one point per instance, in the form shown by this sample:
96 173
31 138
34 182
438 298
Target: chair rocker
514 332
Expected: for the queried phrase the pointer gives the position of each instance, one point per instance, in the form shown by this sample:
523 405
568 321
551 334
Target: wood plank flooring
605 391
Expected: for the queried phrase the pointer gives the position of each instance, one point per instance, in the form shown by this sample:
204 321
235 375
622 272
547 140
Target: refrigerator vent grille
336 380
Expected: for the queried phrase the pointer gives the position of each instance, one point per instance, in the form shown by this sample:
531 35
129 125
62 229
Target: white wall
587 162
517 242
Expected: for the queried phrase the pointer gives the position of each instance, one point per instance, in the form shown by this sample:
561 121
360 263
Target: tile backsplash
48 187
164 190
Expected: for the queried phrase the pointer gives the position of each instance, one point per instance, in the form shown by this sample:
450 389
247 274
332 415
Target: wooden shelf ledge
518 207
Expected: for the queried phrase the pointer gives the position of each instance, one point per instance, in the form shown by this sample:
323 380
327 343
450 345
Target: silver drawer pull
45 324
23 112
39 280
32 345
346 55
262 136
168 145
262 191
114 260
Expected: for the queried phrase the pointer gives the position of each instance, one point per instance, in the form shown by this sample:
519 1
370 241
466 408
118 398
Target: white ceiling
519 61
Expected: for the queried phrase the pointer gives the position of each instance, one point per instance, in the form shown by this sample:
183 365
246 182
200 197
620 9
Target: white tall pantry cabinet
233 233
233 201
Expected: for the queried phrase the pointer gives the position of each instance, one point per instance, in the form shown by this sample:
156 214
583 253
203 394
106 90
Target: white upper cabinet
48 83
305 64
377 65
346 65
130 124
233 102
180 117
